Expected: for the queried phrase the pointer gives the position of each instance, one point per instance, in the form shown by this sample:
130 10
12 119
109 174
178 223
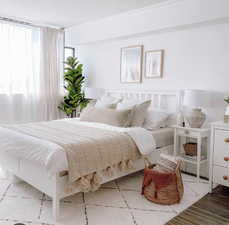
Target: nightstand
192 133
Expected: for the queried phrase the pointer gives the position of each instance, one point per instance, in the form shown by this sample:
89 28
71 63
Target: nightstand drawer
187 133
221 148
221 175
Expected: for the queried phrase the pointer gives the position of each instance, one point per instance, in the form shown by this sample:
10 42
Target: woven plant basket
162 183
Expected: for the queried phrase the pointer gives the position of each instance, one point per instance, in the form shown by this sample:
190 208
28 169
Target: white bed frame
54 187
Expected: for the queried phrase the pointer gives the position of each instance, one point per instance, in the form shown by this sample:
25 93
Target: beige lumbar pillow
119 118
138 110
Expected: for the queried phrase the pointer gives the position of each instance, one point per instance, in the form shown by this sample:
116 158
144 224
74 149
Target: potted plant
73 79
226 116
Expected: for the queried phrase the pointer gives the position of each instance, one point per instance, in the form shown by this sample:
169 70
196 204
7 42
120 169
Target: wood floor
212 209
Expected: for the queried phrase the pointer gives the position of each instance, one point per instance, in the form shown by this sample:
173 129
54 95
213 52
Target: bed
55 182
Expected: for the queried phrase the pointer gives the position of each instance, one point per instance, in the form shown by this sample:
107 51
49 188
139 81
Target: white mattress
163 137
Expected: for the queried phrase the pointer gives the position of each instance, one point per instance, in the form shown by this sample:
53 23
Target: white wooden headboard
166 100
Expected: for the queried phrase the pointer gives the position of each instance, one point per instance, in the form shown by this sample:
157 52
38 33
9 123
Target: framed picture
154 63
131 64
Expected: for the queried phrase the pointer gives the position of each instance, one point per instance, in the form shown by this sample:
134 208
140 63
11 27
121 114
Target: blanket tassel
130 164
122 165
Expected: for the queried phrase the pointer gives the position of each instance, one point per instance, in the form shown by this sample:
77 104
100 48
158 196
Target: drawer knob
225 177
226 140
186 132
226 159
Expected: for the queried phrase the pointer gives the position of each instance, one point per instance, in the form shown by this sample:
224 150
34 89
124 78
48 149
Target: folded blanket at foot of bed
92 151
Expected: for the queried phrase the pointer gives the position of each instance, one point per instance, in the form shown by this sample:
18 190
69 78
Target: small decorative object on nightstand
219 154
195 99
195 133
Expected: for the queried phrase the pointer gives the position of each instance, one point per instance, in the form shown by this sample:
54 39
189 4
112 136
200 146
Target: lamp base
195 118
226 118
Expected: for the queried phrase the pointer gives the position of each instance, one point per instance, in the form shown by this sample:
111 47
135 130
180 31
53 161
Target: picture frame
154 60
131 64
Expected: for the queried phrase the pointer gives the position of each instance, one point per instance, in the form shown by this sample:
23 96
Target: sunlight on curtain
19 58
24 74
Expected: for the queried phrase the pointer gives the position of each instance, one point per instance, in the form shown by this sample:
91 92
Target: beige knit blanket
90 151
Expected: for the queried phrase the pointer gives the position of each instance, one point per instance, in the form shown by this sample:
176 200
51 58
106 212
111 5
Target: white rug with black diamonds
116 203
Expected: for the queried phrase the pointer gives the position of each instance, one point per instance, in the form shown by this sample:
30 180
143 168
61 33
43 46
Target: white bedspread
53 156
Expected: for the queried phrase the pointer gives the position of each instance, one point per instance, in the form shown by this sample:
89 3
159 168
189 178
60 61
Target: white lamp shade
196 98
94 93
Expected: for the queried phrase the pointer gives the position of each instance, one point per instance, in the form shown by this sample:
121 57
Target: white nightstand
197 133
219 154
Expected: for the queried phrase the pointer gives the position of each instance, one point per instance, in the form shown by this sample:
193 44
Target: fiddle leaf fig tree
226 99
73 79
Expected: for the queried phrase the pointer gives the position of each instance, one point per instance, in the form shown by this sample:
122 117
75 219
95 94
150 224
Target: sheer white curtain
30 72
52 57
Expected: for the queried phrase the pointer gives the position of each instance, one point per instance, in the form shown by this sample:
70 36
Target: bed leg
56 207
14 179
56 199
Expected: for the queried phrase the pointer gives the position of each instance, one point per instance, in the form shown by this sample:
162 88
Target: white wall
194 58
195 39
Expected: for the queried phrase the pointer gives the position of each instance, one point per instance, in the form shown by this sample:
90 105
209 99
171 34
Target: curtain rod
25 23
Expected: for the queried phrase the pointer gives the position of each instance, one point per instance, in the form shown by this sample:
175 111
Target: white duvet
53 156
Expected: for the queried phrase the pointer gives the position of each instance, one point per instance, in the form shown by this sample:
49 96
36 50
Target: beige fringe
130 164
93 181
122 166
147 162
97 178
85 184
109 172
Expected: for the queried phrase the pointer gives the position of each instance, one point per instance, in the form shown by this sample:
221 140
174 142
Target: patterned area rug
213 209
116 203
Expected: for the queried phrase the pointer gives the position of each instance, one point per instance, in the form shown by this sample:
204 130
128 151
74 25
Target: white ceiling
65 13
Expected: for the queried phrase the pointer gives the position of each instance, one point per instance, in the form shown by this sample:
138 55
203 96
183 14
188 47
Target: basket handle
147 162
178 164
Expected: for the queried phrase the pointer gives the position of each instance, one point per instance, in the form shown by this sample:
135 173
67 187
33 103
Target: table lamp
195 100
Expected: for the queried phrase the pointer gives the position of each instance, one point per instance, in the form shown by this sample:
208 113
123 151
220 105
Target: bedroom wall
194 35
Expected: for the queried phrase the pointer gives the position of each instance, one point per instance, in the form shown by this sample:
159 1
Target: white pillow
139 110
155 119
107 102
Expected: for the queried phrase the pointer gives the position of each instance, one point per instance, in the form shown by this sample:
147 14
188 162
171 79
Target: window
31 62
19 58
68 51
